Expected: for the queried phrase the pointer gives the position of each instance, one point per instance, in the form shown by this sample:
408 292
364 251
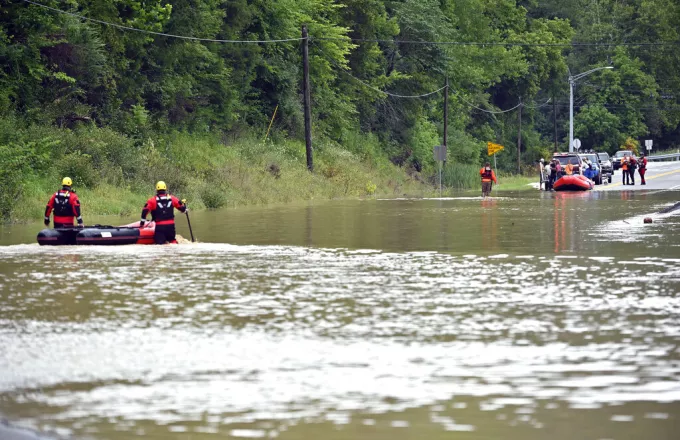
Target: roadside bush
213 197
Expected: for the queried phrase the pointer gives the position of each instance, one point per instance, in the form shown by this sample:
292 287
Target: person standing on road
547 176
162 208
553 173
625 176
488 176
541 179
642 168
66 206
632 166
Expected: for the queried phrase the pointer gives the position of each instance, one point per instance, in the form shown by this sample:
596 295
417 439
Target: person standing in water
488 176
65 205
162 209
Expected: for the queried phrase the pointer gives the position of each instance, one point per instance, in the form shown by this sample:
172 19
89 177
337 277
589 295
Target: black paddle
189 222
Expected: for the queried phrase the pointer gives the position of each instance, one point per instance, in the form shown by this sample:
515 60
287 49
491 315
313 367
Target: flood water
527 316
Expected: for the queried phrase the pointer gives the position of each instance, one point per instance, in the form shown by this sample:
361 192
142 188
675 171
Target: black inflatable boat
97 235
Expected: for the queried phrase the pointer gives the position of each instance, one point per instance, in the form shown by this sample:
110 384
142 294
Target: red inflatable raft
575 182
98 235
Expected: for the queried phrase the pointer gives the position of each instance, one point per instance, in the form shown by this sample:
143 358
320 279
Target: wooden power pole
306 98
446 117
519 140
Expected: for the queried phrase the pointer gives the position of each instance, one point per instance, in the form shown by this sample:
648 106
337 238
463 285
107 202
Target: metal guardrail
675 156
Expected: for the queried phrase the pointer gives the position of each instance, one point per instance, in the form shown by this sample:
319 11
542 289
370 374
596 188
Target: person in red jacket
65 205
642 167
162 209
487 175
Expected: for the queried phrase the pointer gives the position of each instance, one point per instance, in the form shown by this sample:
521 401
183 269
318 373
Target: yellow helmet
161 186
66 181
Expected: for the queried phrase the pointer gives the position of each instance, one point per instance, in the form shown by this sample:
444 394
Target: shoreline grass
115 174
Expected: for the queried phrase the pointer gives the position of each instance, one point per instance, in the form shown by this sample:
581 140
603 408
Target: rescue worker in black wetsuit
632 166
162 209
65 205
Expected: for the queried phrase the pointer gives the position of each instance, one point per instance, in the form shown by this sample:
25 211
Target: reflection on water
514 318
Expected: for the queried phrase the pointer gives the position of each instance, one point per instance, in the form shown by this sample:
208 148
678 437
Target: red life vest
486 174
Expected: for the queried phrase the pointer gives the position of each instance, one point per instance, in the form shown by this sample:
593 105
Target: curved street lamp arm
581 75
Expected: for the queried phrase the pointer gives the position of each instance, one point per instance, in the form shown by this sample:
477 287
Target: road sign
493 148
648 144
439 153
577 143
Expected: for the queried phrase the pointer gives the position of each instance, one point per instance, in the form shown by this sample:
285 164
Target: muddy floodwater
527 316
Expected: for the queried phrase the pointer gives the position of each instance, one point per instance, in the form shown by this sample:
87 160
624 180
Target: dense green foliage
122 98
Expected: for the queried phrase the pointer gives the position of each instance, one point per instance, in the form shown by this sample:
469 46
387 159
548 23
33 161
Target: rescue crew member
624 170
642 168
541 179
553 173
569 169
632 166
162 209
65 205
487 175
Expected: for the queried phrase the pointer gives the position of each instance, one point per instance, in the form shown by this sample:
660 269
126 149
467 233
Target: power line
538 105
143 31
496 43
365 84
495 112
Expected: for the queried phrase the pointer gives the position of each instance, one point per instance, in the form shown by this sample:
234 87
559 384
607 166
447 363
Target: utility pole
519 140
446 117
555 119
306 98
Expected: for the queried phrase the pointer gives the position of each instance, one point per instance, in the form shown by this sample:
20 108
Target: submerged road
660 176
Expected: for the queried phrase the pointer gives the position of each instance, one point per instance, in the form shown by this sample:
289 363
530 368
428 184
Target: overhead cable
498 43
365 84
144 31
495 112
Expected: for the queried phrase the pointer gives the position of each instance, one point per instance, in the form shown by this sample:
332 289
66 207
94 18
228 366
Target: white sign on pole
439 153
577 143
648 144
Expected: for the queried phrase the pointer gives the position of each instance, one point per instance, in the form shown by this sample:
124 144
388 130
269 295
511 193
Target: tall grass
113 173
461 176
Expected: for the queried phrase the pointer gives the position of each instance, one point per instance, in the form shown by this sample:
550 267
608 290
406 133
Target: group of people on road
65 206
628 166
552 170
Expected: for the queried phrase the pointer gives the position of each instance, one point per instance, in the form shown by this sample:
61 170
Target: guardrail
675 156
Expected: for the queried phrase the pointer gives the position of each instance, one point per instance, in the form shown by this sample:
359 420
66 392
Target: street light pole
572 81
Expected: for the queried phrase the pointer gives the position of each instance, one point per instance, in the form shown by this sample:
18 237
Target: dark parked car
605 166
595 173
572 158
616 160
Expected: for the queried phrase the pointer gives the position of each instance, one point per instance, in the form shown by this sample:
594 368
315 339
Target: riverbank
114 174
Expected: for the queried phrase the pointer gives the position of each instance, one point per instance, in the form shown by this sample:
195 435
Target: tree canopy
121 69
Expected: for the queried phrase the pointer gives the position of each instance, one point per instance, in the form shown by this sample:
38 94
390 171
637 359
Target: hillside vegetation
121 101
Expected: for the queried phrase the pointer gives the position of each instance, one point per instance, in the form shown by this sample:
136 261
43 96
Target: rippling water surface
523 317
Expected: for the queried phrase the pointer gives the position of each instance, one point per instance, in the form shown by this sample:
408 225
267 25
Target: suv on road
605 166
595 173
616 160
572 158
